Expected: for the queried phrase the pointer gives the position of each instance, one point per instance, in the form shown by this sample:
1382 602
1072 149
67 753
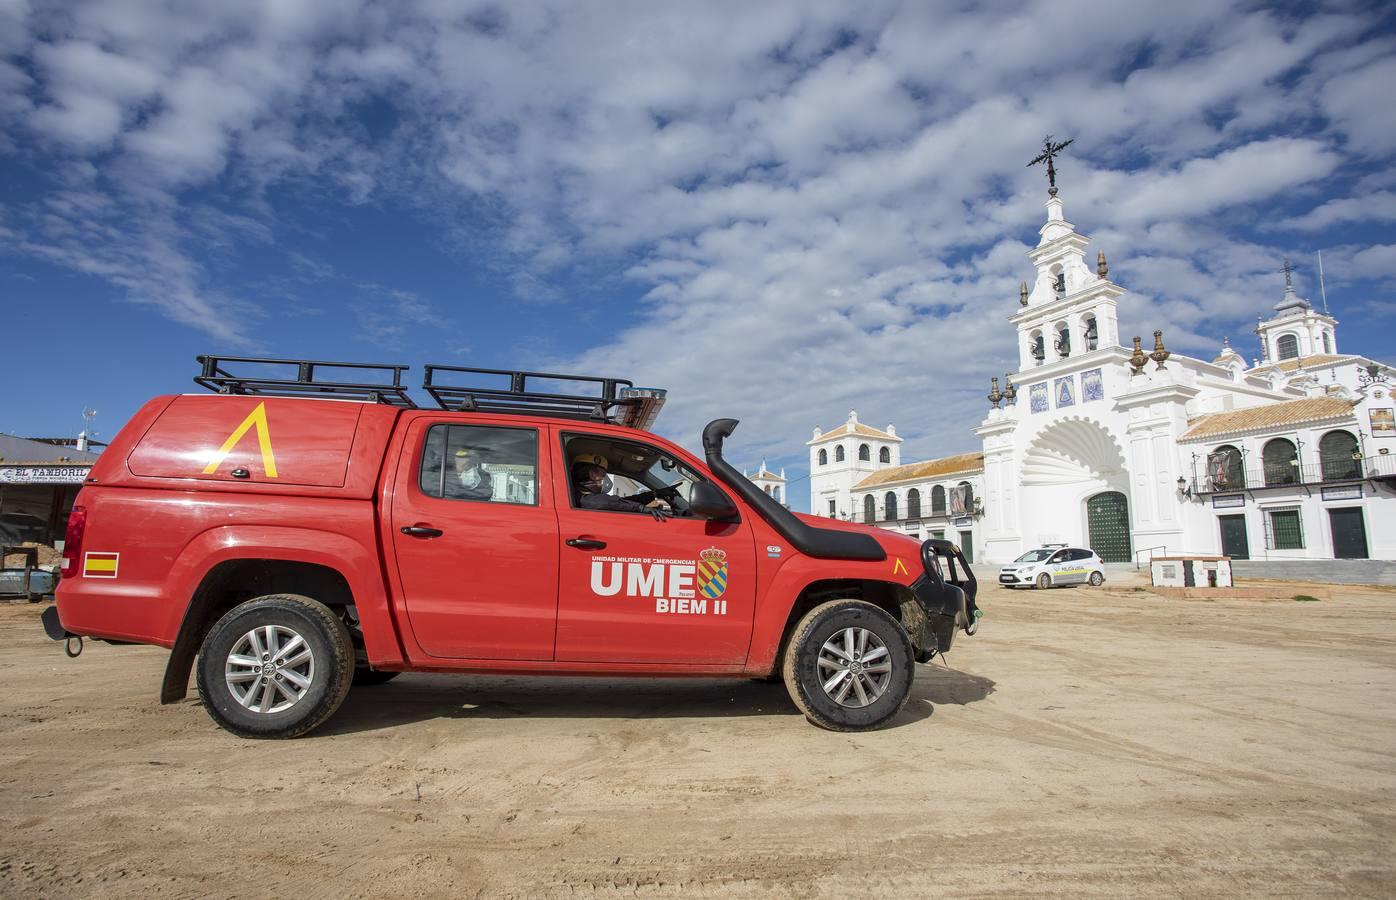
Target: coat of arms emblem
712 573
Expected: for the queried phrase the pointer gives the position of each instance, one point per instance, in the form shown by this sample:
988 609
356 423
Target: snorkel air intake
823 543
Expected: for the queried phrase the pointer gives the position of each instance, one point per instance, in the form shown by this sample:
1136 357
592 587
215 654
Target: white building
769 482
856 472
1128 450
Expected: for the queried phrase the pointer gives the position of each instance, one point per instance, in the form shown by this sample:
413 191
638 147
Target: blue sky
777 211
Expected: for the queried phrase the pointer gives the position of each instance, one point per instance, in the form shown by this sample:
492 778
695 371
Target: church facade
1132 449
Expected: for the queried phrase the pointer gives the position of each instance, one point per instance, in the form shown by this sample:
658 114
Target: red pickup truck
296 534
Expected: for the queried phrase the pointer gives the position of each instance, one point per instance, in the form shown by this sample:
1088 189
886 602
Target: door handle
422 531
586 544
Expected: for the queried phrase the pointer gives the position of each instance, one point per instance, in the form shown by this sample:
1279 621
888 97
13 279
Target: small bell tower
1296 330
1070 310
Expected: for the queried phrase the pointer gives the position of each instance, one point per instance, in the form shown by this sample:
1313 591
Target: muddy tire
366 677
275 667
848 666
1044 581
1097 579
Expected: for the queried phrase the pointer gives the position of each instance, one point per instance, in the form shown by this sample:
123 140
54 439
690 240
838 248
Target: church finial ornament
1101 267
1010 390
995 395
1138 360
1049 151
1160 354
1288 269
1023 294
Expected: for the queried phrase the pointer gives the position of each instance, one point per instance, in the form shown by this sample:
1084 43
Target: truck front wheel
848 666
275 667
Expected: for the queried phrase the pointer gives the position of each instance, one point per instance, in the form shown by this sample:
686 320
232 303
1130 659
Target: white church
1132 450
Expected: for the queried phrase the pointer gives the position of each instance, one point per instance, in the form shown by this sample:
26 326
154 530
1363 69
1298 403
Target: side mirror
707 501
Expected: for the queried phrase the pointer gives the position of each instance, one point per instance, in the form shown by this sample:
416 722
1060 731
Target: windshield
1034 556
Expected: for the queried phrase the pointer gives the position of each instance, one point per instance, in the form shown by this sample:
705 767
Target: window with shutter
1286 530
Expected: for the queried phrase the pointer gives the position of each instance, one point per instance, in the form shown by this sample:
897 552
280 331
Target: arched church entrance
1107 519
1074 461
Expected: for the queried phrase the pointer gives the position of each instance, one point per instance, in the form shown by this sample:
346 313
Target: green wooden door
1234 542
1107 517
1349 533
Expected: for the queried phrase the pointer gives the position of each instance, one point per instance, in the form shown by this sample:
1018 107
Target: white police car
1052 565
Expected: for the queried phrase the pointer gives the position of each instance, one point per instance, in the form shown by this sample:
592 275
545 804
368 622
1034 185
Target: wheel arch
233 581
895 599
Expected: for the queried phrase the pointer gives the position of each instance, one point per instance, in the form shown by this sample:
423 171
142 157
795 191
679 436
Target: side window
632 476
482 463
1059 556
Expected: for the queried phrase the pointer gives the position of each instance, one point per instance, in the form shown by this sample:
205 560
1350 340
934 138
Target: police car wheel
276 666
848 666
1097 579
366 677
1044 581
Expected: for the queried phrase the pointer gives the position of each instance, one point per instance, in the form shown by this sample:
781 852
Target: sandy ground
1086 741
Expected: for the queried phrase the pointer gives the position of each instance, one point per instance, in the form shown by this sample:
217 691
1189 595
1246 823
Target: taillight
72 543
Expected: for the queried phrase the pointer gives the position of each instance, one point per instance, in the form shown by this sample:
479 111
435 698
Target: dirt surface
1086 741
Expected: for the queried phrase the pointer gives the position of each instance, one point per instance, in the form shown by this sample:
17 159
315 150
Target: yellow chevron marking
255 419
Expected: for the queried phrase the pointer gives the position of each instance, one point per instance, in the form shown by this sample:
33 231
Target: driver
594 486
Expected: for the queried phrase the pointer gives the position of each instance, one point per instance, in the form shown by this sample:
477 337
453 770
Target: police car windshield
1035 556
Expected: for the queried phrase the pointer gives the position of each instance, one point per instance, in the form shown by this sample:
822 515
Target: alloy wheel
269 669
854 667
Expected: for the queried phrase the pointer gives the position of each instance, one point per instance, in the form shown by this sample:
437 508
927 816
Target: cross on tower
1050 150
1288 269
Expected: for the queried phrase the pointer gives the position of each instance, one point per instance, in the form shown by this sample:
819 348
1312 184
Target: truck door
633 589
475 535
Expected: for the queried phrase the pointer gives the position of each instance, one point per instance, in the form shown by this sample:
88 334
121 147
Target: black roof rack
507 391
265 383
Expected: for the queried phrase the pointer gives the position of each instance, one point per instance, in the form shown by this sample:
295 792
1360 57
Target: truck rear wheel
848 666
275 667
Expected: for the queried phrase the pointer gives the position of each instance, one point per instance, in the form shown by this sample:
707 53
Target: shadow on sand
417 698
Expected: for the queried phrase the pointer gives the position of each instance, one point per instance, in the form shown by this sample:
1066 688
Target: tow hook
68 646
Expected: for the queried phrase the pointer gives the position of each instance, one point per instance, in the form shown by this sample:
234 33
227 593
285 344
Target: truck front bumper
946 611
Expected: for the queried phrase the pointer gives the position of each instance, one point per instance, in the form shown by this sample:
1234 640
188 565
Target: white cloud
1356 104
1379 206
822 205
1374 263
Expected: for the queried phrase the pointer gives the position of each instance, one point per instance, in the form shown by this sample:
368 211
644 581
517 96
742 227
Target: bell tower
1296 330
1070 310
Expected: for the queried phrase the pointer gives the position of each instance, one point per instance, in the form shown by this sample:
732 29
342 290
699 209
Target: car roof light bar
307 382
613 400
642 413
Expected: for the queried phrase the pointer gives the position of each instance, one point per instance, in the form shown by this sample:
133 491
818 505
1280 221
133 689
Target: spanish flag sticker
100 565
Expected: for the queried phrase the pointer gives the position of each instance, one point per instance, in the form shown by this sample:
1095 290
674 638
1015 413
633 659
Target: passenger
472 482
594 489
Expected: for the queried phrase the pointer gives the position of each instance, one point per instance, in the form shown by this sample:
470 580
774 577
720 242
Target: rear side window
482 463
1080 554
